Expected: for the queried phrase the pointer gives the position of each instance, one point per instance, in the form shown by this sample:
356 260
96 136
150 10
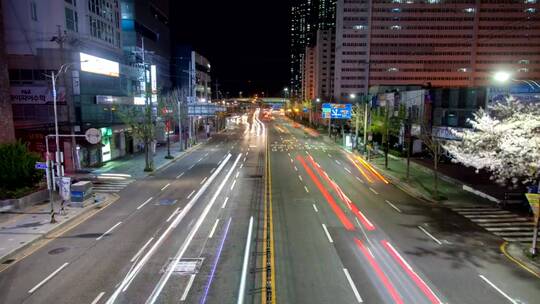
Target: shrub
17 167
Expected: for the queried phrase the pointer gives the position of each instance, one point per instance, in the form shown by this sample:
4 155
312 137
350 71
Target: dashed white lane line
244 159
213 169
292 161
48 278
359 179
237 174
200 159
141 250
295 169
99 296
247 153
165 187
213 229
337 161
347 169
189 196
241 166
300 177
353 287
307 190
373 190
289 154
233 184
145 202
329 155
204 179
393 206
191 167
327 233
180 175
225 202
108 231
498 289
315 208
430 235
205 155
173 214
188 287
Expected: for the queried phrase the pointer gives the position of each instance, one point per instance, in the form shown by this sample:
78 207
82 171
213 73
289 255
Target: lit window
469 10
530 1
396 1
433 1
523 70
530 10
463 70
393 70
71 20
359 27
395 27
396 10
524 61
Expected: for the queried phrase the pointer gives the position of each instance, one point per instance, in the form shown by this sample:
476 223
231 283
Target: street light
352 96
318 100
501 76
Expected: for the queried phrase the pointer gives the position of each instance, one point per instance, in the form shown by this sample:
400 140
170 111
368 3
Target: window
33 11
71 20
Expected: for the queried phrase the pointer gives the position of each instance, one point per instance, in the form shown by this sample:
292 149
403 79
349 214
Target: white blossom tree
505 140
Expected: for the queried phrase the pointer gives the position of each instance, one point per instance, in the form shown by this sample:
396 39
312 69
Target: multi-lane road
268 213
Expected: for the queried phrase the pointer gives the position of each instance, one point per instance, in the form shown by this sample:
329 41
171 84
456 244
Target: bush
17 167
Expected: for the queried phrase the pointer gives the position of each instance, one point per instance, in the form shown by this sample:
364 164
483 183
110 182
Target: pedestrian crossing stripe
507 225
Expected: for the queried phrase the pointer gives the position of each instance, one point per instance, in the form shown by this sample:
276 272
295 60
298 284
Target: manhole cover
58 250
186 266
166 202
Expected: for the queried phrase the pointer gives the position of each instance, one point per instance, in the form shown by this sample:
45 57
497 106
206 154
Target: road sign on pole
534 201
41 166
337 110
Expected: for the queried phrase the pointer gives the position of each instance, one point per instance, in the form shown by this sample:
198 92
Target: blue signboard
40 166
337 110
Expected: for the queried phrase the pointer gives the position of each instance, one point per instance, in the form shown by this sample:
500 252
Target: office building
192 74
324 64
449 44
83 40
308 74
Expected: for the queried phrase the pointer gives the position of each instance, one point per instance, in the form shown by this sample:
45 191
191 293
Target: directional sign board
41 166
337 110
534 201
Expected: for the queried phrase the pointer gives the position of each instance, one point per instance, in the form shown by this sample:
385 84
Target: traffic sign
337 110
534 201
41 166
93 136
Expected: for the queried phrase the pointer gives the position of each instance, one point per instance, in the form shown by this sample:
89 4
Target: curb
517 261
54 230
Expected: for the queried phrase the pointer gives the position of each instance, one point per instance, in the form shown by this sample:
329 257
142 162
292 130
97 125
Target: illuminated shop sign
97 65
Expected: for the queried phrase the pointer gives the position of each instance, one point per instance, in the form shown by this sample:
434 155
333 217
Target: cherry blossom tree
504 140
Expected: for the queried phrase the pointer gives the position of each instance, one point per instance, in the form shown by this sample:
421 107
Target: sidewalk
19 230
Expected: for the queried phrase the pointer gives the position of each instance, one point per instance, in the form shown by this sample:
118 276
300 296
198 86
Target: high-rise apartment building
448 43
308 74
306 17
324 64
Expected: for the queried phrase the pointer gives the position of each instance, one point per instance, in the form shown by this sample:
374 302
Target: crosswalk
111 183
505 224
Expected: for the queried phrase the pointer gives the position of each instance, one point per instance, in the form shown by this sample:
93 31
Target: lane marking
300 177
315 207
360 180
204 179
99 296
242 288
347 169
108 231
498 289
213 229
233 184
192 192
180 175
393 206
327 233
165 277
213 169
237 174
145 202
188 287
430 235
295 169
191 167
225 202
373 190
337 161
165 187
141 250
247 153
329 155
305 188
48 278
353 286
244 159
172 215
291 160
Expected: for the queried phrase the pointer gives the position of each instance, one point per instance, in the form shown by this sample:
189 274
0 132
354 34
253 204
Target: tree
17 169
168 110
139 120
505 140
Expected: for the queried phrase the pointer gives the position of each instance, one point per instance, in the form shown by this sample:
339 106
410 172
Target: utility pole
357 125
366 117
386 133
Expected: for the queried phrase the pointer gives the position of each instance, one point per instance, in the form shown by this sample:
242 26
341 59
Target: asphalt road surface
269 213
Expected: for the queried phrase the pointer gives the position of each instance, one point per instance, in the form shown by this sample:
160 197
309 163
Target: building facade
308 74
83 41
324 64
454 43
192 74
7 133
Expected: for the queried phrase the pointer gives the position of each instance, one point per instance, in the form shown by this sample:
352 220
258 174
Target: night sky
246 41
